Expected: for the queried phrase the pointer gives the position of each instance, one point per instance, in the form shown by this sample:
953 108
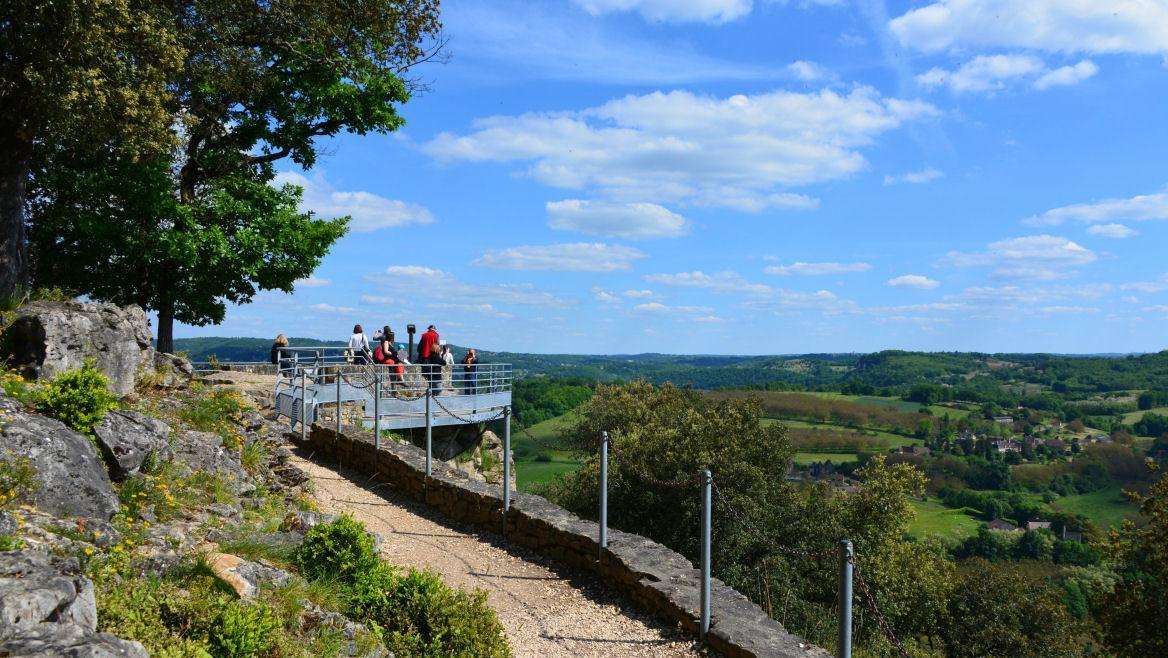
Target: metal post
338 401
429 432
303 405
603 493
845 599
376 409
707 503
506 464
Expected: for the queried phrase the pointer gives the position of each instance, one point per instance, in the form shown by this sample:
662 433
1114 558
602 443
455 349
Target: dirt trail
546 610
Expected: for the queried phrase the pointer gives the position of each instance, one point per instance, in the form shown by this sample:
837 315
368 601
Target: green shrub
10 543
79 398
19 388
422 616
219 412
244 630
341 550
18 480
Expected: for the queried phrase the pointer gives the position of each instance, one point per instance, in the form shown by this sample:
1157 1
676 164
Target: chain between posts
465 420
870 601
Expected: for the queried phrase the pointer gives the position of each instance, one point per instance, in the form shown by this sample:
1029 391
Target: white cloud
638 294
1159 308
378 300
1034 256
726 281
786 302
564 257
913 281
710 319
673 11
414 271
405 282
311 282
629 221
541 41
1069 309
658 307
1142 207
369 212
736 152
983 73
604 296
1118 231
807 71
330 309
817 269
926 175
1158 285
479 309
1061 26
1067 75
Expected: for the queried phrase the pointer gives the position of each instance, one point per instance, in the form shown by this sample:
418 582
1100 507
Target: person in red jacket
429 357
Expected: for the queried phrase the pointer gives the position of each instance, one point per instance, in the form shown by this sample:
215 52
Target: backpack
379 355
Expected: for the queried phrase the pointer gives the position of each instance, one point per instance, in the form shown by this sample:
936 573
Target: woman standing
359 346
447 367
468 368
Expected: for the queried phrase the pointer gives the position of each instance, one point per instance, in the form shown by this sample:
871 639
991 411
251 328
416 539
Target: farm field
529 472
537 440
1132 416
894 403
1106 507
886 440
803 458
935 520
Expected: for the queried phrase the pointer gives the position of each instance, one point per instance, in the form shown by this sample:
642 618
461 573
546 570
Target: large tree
79 70
260 82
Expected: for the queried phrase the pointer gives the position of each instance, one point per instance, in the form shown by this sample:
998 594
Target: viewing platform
388 396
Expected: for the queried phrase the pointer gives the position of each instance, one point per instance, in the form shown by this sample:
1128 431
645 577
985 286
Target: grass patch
935 520
1105 508
532 472
1132 416
819 457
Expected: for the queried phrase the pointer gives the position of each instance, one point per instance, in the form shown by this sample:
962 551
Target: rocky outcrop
172 371
72 480
247 578
204 451
126 438
47 608
50 338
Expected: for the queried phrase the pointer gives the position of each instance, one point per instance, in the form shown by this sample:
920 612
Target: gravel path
546 610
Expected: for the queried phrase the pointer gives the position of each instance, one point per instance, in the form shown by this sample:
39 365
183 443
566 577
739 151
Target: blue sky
766 176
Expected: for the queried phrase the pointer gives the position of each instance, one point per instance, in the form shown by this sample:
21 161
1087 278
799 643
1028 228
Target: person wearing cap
429 356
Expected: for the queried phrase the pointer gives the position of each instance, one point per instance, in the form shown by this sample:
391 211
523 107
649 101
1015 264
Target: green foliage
79 398
10 543
218 411
538 399
243 630
338 550
1134 611
1004 610
18 480
18 388
1151 424
416 614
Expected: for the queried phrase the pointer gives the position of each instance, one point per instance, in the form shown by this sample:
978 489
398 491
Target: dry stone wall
653 577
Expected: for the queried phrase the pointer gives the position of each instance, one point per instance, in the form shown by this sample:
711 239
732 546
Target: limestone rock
204 451
302 522
126 438
69 641
243 576
72 478
172 371
50 338
34 590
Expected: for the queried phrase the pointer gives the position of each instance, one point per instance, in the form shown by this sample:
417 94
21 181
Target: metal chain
870 600
770 543
468 421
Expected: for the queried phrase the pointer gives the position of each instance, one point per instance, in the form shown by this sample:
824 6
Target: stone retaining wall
653 577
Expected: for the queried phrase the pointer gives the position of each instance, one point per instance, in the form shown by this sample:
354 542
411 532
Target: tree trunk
166 326
15 155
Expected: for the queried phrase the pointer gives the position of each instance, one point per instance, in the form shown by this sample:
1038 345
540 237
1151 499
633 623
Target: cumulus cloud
1060 26
926 175
564 257
1068 309
1067 75
913 281
1034 256
1142 207
817 269
638 294
1117 231
673 11
333 310
727 281
311 282
807 71
658 307
604 296
369 212
629 221
983 73
404 282
738 152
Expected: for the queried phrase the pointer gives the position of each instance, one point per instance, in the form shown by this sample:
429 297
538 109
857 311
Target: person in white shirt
447 367
359 351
